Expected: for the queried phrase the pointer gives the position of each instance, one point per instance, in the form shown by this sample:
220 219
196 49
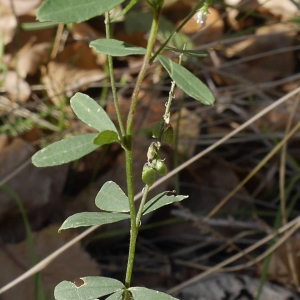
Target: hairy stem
128 148
141 76
133 227
112 78
143 201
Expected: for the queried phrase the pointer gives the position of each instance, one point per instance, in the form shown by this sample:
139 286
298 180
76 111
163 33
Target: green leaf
116 48
77 11
92 219
91 113
188 82
115 296
90 289
187 52
140 293
112 198
160 200
65 150
106 137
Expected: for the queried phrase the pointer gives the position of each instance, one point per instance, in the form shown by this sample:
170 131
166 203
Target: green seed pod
157 129
148 175
161 168
169 134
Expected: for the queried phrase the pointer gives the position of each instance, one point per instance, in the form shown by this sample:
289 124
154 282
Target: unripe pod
161 168
169 134
157 129
148 175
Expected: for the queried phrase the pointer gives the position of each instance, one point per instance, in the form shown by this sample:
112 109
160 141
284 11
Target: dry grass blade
291 226
254 171
288 245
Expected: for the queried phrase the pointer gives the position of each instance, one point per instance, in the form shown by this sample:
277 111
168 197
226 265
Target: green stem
128 148
134 99
112 78
139 214
171 95
133 227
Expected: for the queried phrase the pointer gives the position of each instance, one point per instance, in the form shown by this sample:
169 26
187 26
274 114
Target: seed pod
152 152
148 175
157 129
161 168
169 134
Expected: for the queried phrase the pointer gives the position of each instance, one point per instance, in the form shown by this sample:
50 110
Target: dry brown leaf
21 7
275 119
79 55
265 67
24 183
16 88
38 189
189 129
73 263
8 15
30 59
8 23
64 79
233 13
284 8
84 32
214 179
279 269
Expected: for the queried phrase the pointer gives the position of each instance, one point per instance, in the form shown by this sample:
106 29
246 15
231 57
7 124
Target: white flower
200 18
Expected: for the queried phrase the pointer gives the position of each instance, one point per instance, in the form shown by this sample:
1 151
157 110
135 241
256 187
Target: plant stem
134 99
133 227
112 78
166 115
128 148
139 214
